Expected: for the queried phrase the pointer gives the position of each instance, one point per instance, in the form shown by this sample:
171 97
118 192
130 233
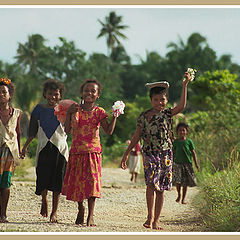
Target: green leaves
111 29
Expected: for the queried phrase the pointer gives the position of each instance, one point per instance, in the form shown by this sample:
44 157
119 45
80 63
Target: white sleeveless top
8 135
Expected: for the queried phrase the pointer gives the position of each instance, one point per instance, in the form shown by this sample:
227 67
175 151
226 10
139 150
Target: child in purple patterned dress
154 127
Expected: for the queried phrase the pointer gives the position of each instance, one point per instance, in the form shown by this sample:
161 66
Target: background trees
214 96
217 78
111 29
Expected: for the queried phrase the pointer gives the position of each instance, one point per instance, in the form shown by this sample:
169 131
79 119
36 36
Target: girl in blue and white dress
52 150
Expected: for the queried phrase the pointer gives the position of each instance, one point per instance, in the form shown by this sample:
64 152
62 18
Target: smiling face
4 94
182 132
159 101
53 96
90 93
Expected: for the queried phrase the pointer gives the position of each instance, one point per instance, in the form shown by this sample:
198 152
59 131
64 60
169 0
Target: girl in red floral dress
83 174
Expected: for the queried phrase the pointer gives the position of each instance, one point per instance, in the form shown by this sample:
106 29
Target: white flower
118 108
192 72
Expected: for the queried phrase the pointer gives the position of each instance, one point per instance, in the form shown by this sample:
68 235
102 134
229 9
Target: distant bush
112 155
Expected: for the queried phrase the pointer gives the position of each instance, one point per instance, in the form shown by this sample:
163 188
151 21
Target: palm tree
28 83
111 29
29 52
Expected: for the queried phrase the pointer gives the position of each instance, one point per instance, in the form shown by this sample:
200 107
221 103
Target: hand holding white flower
191 72
118 108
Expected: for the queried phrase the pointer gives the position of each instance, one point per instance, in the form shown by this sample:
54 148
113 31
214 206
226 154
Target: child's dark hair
53 84
184 125
158 90
92 81
8 83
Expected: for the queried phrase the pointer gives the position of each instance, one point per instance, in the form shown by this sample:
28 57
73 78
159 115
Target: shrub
218 200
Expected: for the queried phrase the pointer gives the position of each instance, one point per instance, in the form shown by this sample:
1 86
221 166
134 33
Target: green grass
219 199
20 171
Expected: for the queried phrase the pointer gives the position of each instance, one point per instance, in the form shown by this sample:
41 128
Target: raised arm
135 139
183 100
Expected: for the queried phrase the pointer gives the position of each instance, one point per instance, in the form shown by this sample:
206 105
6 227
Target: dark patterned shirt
156 132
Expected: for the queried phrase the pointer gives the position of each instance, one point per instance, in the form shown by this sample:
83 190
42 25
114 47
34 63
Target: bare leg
184 195
149 198
91 205
80 216
44 207
136 176
131 177
5 193
178 187
158 209
55 201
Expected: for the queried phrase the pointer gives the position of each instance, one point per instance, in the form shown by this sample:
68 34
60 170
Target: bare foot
90 222
3 219
53 218
156 227
178 199
148 224
44 208
80 217
184 202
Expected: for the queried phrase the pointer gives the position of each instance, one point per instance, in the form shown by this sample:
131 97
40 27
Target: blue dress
52 150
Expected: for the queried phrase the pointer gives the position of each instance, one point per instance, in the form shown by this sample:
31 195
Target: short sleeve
191 145
18 112
101 114
36 112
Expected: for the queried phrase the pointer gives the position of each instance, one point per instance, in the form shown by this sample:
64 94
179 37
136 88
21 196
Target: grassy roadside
219 199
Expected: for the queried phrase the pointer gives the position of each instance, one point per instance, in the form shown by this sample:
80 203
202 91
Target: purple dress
156 135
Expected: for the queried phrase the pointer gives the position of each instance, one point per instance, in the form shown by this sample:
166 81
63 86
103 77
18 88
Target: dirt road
122 208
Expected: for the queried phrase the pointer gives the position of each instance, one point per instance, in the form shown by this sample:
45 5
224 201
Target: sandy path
122 208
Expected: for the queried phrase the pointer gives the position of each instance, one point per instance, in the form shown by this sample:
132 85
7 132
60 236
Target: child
134 162
154 127
9 143
183 150
83 174
52 150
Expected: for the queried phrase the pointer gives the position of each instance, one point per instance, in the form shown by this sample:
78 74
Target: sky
151 28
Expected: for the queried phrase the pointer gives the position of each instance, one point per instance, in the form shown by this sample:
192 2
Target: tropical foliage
111 29
212 110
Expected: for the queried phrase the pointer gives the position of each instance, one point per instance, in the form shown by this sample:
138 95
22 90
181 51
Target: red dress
83 175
